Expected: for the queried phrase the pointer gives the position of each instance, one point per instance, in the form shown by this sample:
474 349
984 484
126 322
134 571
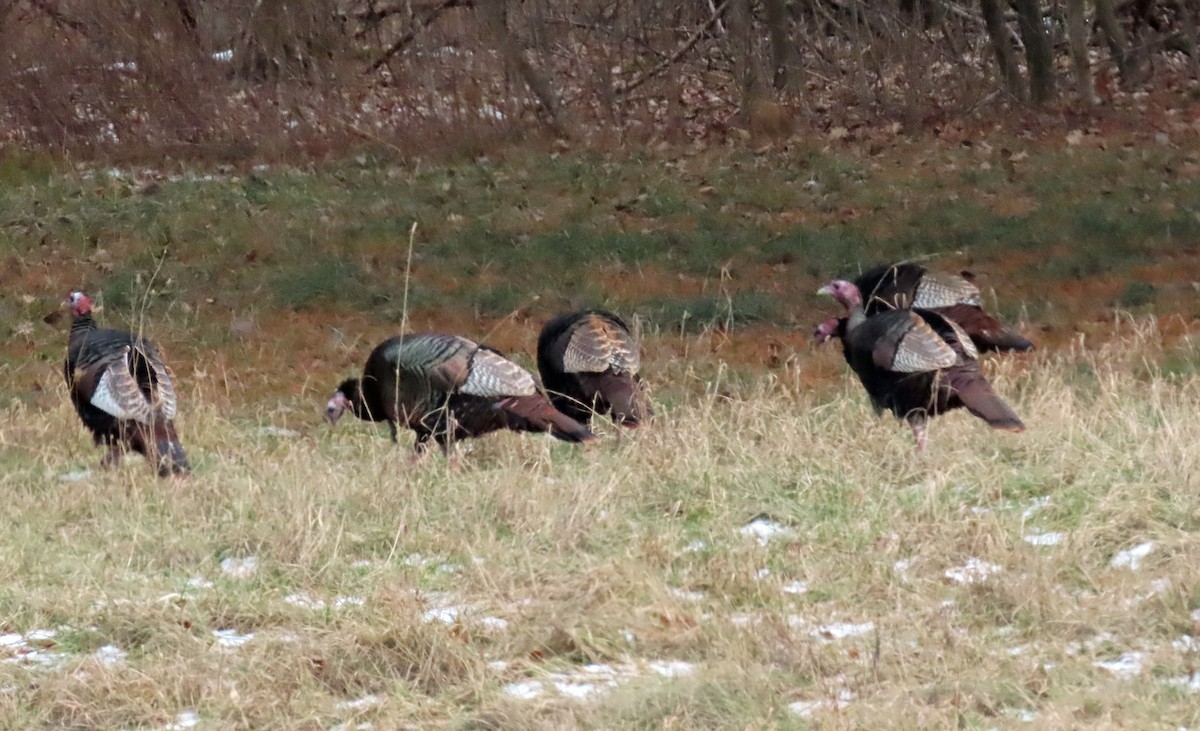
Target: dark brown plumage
448 387
905 285
916 363
122 390
589 363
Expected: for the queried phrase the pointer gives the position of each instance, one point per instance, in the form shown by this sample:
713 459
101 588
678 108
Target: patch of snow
594 679
1187 683
764 529
304 601
122 66
199 582
185 720
494 623
445 615
1131 558
901 568
1044 539
1186 643
223 56
231 639
40 635
75 475
686 595
1024 715
762 573
696 546
842 630
1124 667
1195 615
362 563
742 619
343 601
1035 505
806 709
525 690
972 572
672 668
110 656
497 666
795 587
239 568
358 704
12 641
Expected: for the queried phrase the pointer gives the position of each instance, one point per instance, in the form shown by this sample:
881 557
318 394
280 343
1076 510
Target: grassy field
767 554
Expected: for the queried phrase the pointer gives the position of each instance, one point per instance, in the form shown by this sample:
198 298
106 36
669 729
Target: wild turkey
448 387
123 391
589 364
916 363
900 286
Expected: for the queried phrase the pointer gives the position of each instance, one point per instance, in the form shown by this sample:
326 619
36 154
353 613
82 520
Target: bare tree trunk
279 40
1077 36
993 17
781 44
740 25
1039 56
1106 16
495 20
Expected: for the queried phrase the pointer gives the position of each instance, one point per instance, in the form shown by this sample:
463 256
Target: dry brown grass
624 554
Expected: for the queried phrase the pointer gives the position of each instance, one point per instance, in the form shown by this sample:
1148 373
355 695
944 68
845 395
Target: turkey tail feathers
986 332
977 395
540 415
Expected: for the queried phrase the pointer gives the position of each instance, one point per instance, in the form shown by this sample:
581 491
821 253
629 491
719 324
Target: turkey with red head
916 363
448 387
905 285
589 364
122 390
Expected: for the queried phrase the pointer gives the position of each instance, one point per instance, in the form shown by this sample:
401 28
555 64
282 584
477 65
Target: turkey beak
827 290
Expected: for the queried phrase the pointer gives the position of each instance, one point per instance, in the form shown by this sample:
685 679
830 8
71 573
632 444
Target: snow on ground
764 530
1043 539
239 568
1125 667
449 608
231 639
596 679
358 704
973 571
1131 558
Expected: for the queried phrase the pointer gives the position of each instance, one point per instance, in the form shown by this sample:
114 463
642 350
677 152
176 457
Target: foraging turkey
123 391
589 364
900 286
449 388
916 363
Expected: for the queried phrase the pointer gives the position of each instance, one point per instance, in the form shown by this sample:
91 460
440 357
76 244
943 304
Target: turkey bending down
916 363
901 286
589 364
123 391
449 388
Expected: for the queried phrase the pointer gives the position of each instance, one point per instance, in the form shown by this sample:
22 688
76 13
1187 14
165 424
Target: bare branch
679 53
409 35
